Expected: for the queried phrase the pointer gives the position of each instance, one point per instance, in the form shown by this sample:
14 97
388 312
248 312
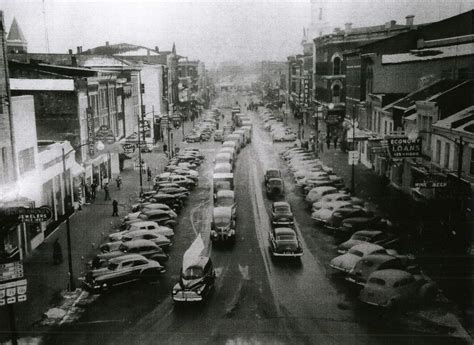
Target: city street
257 299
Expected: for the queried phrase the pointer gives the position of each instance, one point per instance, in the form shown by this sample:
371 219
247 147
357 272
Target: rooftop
429 54
15 33
42 84
460 121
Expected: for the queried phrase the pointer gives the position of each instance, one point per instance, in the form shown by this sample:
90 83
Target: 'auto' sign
403 147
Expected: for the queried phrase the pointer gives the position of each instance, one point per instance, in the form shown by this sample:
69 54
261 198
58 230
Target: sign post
353 157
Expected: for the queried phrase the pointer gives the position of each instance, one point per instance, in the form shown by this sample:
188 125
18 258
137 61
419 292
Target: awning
76 169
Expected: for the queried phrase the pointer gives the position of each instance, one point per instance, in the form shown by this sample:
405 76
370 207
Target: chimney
156 49
390 24
78 50
70 51
337 30
410 19
347 27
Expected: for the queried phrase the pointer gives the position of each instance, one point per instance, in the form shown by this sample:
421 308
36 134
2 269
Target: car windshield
377 281
193 273
356 252
275 183
221 221
273 173
286 237
123 248
223 185
112 266
282 209
126 238
225 201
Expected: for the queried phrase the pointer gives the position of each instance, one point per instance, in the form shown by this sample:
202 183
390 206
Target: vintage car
146 206
272 173
219 135
222 225
285 242
179 192
223 168
322 215
161 198
161 217
334 205
149 210
338 216
143 225
121 270
302 180
346 262
275 187
371 263
162 241
226 198
195 151
146 248
384 239
281 215
192 137
327 199
317 193
197 276
351 225
392 288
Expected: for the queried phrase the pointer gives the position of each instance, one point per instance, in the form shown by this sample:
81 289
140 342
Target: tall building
319 19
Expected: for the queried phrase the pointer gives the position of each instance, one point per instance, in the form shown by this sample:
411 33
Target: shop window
336 94
438 151
26 160
471 166
447 152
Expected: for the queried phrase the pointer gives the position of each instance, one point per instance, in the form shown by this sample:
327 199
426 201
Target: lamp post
353 149
72 284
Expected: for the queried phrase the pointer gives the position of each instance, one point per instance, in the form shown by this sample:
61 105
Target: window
438 151
26 160
447 152
336 92
385 127
336 66
471 167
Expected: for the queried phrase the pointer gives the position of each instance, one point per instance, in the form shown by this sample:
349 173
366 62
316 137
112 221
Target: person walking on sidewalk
328 141
115 208
335 139
57 252
106 190
119 181
148 173
93 190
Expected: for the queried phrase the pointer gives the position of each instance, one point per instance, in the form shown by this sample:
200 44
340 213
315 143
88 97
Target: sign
306 91
164 121
11 271
432 181
353 157
128 148
13 292
145 125
403 147
333 118
29 215
90 131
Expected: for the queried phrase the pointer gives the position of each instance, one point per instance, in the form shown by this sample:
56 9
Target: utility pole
140 156
72 285
353 149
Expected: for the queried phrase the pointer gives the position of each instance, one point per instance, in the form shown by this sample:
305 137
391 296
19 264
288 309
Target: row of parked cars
140 247
368 244
278 130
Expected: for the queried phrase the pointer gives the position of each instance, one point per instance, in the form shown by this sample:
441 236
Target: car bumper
290 254
187 296
355 280
222 236
320 220
338 268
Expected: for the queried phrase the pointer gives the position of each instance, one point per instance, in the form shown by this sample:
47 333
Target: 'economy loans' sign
403 147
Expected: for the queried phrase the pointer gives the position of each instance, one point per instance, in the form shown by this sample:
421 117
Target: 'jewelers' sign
403 147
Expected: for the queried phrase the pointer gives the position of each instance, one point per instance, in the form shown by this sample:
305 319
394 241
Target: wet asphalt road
257 300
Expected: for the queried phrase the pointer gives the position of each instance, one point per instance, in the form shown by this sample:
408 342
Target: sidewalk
89 227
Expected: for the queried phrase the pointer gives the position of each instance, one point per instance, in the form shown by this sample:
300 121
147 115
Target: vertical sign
90 131
306 91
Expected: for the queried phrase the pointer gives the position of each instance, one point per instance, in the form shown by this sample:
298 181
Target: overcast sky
212 31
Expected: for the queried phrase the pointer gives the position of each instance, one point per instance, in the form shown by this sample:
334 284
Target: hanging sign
353 157
402 147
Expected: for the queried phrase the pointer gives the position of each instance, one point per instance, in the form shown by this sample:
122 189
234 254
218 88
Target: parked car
222 225
172 201
338 216
351 225
146 248
317 193
162 241
285 242
142 225
226 198
346 262
150 210
329 198
121 270
162 217
392 288
322 215
136 208
219 135
371 263
223 168
282 216
384 239
272 173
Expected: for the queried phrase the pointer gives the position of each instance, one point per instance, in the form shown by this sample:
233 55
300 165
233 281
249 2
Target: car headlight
174 292
347 225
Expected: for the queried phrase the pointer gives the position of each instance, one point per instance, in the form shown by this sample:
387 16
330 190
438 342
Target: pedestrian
57 252
335 139
115 208
106 190
119 181
148 173
165 149
328 141
93 190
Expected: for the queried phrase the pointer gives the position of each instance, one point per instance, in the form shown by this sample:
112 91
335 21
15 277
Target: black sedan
282 214
338 216
351 225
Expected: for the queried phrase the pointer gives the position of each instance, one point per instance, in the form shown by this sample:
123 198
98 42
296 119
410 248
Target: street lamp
72 285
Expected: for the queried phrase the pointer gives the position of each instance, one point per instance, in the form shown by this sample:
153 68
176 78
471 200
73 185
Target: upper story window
336 66
26 160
